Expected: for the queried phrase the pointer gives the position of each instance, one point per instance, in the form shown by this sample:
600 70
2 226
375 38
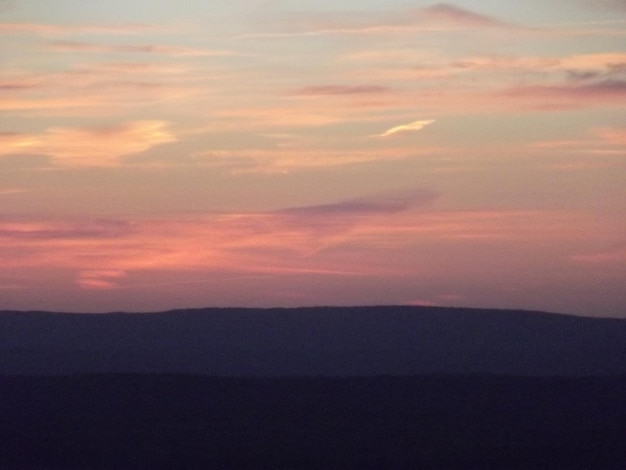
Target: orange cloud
410 127
89 147
600 62
612 135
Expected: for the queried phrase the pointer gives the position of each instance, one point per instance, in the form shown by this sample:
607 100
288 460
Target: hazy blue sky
278 153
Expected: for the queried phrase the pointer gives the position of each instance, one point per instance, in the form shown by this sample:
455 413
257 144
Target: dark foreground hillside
330 341
429 421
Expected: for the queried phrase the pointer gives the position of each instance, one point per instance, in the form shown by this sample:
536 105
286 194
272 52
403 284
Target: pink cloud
615 255
379 236
99 279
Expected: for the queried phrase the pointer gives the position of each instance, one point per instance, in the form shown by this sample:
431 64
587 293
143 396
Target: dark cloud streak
388 204
443 13
574 94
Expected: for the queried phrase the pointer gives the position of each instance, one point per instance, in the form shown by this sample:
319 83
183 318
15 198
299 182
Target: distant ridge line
314 307
313 341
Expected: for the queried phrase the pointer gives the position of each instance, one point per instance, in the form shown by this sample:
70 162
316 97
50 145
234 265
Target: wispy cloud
99 279
449 15
435 18
618 5
598 141
56 29
136 49
19 230
569 95
410 127
341 90
11 191
613 255
89 88
612 135
297 159
10 284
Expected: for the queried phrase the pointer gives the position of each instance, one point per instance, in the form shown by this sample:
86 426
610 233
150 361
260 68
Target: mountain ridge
313 341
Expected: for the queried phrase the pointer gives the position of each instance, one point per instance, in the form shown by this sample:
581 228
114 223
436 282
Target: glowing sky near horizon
158 155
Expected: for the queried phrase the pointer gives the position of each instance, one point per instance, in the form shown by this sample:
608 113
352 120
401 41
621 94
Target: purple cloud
387 204
572 94
445 14
14 86
438 17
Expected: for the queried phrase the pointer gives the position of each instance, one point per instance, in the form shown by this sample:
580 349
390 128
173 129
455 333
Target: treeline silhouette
138 421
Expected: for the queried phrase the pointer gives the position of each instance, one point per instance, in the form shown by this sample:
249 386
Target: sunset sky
160 154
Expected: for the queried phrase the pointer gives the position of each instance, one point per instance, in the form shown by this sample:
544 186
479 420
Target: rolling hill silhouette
316 341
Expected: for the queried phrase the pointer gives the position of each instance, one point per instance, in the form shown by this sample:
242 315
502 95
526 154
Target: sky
262 153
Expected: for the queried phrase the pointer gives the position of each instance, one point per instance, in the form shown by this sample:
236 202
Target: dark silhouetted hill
330 341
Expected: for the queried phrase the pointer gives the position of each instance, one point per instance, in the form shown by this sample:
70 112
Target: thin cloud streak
79 29
12 191
439 18
301 159
333 90
73 46
410 127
